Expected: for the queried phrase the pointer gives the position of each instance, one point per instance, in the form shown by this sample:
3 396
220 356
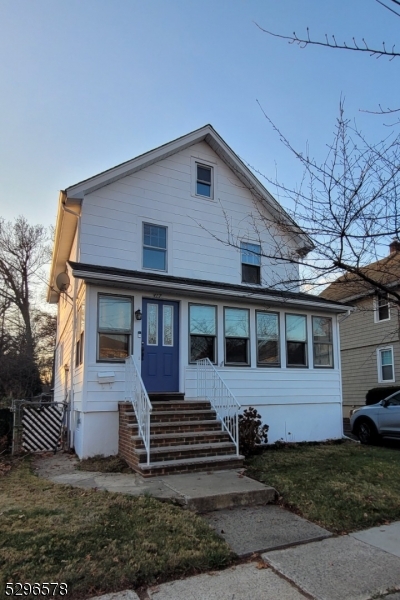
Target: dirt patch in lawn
104 464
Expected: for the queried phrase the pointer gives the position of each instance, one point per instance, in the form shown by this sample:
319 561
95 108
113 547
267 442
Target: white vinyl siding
112 217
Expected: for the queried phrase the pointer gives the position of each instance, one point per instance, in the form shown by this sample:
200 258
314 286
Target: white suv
372 422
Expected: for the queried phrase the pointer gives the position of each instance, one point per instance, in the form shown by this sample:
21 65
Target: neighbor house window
114 327
385 364
237 336
203 332
204 181
296 340
267 325
79 334
382 308
322 341
251 262
154 247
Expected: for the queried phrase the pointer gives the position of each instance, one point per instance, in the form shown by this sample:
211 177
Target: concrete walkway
299 559
199 492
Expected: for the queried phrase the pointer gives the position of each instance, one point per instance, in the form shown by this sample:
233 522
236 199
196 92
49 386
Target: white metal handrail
137 394
213 388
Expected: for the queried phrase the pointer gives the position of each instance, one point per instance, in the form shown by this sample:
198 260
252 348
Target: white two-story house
164 259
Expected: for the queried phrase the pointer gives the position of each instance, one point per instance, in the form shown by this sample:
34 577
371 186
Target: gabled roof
351 286
221 148
73 196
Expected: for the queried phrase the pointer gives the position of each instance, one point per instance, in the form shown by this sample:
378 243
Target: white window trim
100 330
306 342
376 311
255 243
194 161
216 336
146 222
379 363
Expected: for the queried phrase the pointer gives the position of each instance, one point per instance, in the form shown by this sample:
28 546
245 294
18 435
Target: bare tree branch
330 42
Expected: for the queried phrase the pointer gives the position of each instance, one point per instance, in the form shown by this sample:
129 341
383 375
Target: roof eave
63 240
101 278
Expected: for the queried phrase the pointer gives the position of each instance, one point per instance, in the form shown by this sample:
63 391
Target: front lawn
96 542
342 487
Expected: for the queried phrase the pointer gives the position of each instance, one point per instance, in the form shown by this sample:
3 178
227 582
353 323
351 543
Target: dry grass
97 542
104 464
343 487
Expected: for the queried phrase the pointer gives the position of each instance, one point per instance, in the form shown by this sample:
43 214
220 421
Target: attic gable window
251 262
204 181
382 309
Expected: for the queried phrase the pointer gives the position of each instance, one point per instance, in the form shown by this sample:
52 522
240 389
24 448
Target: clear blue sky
87 84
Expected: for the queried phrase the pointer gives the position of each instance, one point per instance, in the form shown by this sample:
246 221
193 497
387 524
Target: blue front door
160 346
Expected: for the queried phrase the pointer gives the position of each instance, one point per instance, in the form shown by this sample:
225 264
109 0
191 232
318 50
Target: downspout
339 321
71 432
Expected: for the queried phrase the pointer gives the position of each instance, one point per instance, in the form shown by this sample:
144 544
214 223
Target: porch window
114 327
237 336
251 262
154 247
322 342
203 332
296 340
267 325
385 364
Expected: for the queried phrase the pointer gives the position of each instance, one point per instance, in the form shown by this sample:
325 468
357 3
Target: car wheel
366 431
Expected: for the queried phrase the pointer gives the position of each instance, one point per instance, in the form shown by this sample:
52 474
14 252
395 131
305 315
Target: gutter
348 313
205 291
57 236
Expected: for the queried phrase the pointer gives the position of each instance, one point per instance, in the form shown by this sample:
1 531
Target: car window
394 400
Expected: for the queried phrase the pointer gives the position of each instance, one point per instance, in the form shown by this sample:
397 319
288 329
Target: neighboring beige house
369 336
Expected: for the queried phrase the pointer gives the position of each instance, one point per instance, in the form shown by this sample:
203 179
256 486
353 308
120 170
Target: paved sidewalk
260 528
339 568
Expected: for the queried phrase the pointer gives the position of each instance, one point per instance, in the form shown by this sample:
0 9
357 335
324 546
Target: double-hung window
251 262
237 336
154 247
322 341
114 327
267 325
296 340
203 332
382 308
385 364
204 184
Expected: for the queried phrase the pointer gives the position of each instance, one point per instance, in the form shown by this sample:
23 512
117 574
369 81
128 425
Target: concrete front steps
185 436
